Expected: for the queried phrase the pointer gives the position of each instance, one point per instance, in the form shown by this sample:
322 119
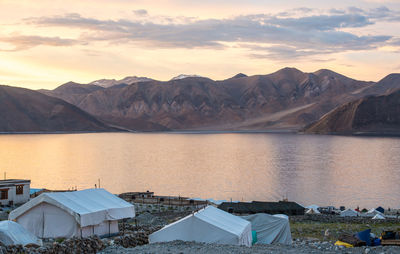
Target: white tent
372 212
312 207
11 233
68 214
209 225
349 213
378 217
312 211
270 228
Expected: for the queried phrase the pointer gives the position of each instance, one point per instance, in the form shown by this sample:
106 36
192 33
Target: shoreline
354 134
158 132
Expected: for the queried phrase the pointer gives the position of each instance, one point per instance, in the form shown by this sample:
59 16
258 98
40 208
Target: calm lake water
308 169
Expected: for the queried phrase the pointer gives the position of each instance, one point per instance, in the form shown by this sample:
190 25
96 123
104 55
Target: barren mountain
72 92
368 115
24 110
286 99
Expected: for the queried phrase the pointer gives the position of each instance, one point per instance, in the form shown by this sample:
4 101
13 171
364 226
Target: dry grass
317 229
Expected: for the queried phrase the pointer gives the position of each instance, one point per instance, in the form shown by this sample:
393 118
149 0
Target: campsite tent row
68 214
371 213
96 212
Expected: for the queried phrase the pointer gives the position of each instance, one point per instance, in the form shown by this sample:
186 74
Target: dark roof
12 182
380 209
290 208
15 180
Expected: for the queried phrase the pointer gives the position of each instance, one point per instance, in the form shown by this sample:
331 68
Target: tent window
4 194
20 189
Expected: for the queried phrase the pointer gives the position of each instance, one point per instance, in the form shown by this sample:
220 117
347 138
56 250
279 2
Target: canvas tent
372 212
209 225
312 207
378 217
349 213
270 228
11 233
312 211
68 214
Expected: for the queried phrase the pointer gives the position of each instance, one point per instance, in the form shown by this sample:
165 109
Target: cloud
395 41
140 12
296 33
22 42
284 53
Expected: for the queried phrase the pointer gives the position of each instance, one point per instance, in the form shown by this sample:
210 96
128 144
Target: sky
46 43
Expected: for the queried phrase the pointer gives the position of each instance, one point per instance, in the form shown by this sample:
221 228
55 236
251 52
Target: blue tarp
364 236
33 191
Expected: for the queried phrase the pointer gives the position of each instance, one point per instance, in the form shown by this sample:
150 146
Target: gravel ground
203 248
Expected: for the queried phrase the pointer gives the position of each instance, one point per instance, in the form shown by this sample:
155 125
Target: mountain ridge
287 100
371 114
195 102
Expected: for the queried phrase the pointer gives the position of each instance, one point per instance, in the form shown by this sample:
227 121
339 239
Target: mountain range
286 100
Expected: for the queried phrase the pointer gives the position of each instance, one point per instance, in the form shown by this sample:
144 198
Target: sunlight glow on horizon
45 45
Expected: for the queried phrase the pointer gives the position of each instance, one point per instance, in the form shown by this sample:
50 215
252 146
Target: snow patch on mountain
112 82
183 76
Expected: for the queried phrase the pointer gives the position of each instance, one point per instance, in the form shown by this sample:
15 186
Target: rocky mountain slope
287 99
369 115
24 110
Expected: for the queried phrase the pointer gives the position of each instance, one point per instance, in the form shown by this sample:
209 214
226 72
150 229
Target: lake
308 169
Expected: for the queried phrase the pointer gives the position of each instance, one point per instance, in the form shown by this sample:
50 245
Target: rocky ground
311 234
330 227
298 247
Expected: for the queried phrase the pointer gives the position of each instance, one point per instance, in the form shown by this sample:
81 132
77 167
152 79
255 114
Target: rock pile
73 245
132 229
133 240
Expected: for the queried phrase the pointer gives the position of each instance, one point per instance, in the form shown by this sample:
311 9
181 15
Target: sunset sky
49 42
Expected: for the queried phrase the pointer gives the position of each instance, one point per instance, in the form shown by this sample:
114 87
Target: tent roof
313 211
210 225
12 233
312 207
221 219
350 210
270 228
374 211
89 207
378 217
263 207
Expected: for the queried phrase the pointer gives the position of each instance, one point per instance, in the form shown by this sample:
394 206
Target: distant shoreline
168 132
353 134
